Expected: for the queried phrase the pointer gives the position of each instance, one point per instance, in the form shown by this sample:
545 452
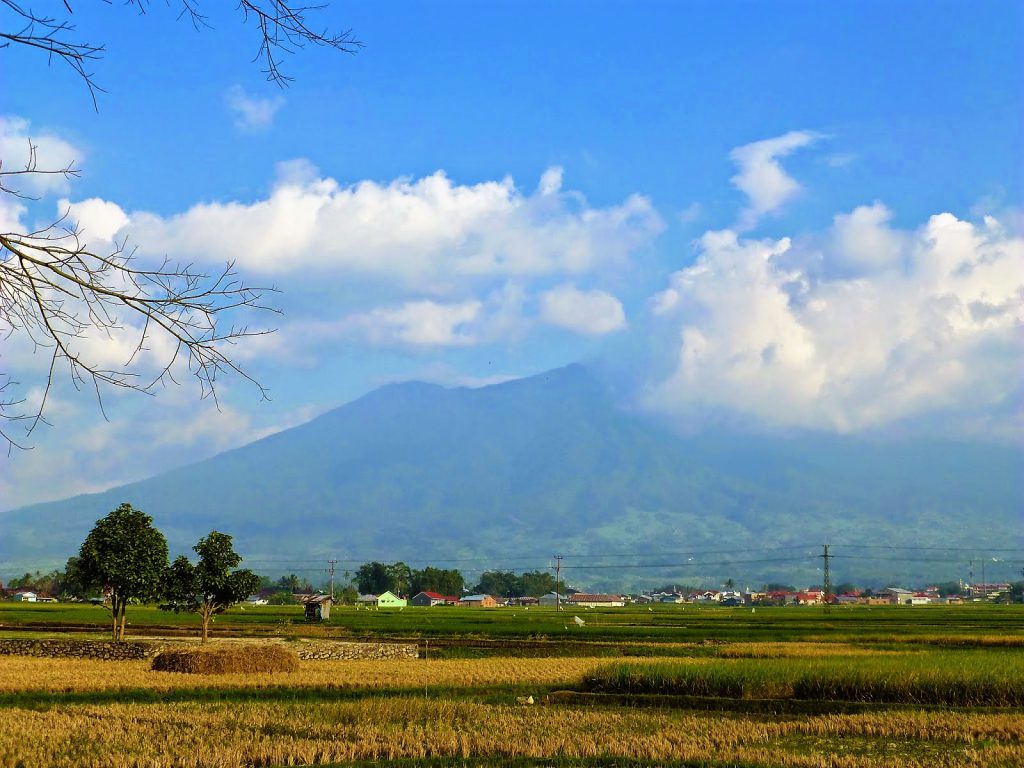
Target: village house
383 600
479 601
522 602
583 600
897 595
552 599
428 599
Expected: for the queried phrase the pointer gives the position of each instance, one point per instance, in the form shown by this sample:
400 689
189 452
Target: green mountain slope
518 471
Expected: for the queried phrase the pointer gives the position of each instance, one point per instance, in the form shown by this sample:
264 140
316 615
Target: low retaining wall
339 651
81 649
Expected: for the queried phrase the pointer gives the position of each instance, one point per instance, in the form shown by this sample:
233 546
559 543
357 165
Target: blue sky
595 203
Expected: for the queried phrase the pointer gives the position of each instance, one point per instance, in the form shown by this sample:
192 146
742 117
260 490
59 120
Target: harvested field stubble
302 733
227 659
22 674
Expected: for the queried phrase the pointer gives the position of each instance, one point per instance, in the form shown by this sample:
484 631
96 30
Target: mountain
518 471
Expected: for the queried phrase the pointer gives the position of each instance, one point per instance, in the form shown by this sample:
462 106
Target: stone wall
338 651
82 649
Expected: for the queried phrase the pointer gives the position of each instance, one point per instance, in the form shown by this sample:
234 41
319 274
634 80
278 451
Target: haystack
226 659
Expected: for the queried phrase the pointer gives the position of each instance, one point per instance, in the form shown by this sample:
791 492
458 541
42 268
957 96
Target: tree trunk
124 605
113 617
206 625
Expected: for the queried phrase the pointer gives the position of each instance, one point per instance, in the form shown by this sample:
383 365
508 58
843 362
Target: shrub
226 659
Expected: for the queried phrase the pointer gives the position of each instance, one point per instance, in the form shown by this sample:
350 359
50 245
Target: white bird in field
579 622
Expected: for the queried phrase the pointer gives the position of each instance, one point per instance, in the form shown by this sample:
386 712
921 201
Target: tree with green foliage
125 557
536 583
348 595
372 578
376 577
210 587
500 583
282 598
507 584
442 580
294 584
774 586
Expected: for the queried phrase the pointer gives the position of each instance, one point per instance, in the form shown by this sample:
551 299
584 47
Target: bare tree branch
283 25
58 295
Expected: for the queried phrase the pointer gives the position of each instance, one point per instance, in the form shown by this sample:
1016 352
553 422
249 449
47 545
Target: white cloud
761 177
863 241
912 323
592 313
417 324
252 113
97 220
52 153
428 233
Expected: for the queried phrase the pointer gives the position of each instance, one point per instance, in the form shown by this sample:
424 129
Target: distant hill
517 471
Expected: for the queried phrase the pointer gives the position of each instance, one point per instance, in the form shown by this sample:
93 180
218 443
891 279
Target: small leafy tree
126 557
430 579
210 587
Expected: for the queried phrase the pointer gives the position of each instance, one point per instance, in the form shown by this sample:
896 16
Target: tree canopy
376 577
210 587
508 584
126 557
441 580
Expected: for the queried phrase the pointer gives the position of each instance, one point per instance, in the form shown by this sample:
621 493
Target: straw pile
227 659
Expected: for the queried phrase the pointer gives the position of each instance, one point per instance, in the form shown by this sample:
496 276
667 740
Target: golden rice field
20 674
304 733
65 712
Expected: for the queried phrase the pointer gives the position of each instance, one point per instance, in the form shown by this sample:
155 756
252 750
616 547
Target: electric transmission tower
826 577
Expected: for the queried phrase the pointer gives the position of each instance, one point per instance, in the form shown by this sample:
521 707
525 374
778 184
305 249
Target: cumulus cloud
592 313
251 112
760 176
895 325
98 221
862 240
428 233
22 147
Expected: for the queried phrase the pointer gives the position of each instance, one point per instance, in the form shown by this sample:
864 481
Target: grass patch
227 659
961 679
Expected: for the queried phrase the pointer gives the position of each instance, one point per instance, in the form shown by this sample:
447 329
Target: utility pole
827 577
558 573
332 563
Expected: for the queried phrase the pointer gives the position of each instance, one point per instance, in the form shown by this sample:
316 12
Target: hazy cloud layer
251 112
592 313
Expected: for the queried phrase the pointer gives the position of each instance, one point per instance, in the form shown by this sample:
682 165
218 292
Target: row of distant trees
376 577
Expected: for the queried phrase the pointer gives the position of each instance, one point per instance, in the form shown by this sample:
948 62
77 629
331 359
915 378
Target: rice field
953 678
825 699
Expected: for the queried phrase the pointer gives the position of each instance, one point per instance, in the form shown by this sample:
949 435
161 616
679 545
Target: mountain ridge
548 463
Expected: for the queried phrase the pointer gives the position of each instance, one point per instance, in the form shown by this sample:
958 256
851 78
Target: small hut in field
318 608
